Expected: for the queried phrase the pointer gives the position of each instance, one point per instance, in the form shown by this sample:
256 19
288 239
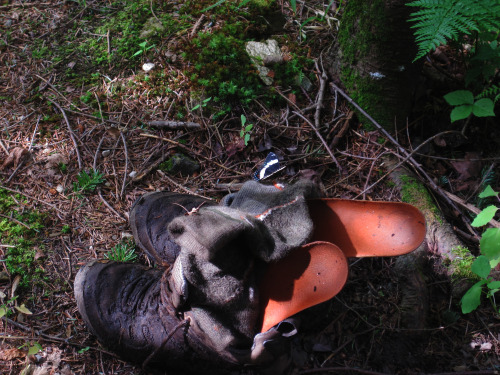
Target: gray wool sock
223 250
284 212
215 273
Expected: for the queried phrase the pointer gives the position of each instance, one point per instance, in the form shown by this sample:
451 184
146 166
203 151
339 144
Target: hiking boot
149 219
125 306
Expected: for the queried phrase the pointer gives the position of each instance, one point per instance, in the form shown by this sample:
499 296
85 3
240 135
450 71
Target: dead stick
126 164
325 145
190 150
108 205
323 78
181 187
197 25
151 167
409 156
71 134
174 124
31 197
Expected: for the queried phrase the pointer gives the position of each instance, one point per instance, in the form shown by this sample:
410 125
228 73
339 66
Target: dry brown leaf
15 157
10 354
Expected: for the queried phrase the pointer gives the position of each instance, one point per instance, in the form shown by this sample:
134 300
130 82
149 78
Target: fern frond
491 92
440 20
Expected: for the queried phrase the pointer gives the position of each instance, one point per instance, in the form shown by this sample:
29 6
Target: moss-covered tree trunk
374 58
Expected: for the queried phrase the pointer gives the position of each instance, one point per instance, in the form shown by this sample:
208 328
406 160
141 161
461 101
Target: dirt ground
54 125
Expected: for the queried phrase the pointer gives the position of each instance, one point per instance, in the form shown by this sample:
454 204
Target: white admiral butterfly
270 167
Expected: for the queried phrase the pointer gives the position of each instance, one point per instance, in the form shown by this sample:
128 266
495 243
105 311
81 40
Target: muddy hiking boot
124 305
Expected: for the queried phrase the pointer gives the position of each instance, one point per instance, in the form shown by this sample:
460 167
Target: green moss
413 192
21 231
357 43
461 264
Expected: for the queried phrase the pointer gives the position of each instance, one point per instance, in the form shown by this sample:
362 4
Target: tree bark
375 51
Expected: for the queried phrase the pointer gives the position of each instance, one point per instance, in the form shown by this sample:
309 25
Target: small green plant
33 348
488 260
203 104
143 48
438 21
87 182
245 130
83 350
465 104
66 229
122 252
63 167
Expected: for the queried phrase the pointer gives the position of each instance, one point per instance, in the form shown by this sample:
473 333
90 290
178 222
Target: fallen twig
108 205
126 164
190 150
174 124
71 134
325 145
197 25
408 156
323 78
31 197
164 175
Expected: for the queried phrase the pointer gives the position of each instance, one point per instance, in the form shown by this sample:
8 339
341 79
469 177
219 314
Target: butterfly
270 167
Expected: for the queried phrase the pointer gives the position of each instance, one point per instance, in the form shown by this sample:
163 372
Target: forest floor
77 148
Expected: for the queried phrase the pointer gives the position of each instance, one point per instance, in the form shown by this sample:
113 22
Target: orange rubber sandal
367 228
316 272
311 274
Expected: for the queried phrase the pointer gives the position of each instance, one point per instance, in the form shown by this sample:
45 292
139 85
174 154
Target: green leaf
195 107
247 138
137 53
249 127
214 5
472 298
481 266
34 349
23 309
461 112
483 108
490 243
488 192
3 311
293 3
459 97
494 285
83 350
485 216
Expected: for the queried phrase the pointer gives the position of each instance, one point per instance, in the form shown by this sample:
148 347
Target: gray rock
264 55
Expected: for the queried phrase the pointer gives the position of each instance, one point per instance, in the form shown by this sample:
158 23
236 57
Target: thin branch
197 25
325 145
180 186
409 156
126 164
15 221
174 125
190 150
71 134
108 205
31 197
323 78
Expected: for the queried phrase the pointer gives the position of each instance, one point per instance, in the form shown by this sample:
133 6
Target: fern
440 20
491 92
